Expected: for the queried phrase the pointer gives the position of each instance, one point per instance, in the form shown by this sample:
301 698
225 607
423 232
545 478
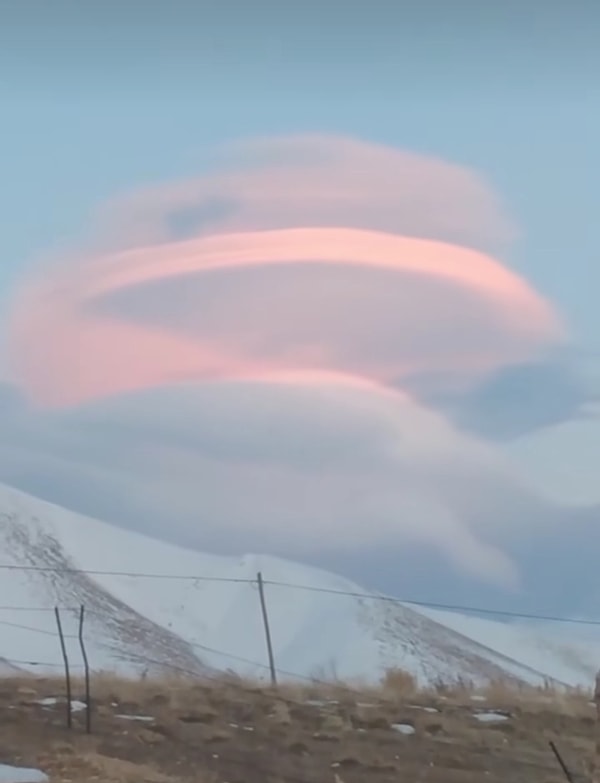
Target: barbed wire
220 678
18 662
433 604
218 761
133 574
236 682
39 608
210 760
266 667
311 680
461 608
36 630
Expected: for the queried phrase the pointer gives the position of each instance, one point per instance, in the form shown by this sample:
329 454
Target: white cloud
319 466
320 255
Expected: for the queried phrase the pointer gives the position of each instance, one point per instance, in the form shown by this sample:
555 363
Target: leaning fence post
560 760
265 616
63 648
88 702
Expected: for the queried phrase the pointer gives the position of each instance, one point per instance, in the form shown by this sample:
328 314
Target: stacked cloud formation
329 256
279 350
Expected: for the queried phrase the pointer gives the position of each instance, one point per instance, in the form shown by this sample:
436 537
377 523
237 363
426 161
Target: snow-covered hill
199 612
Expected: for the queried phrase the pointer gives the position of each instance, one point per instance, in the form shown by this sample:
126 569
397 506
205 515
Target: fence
262 586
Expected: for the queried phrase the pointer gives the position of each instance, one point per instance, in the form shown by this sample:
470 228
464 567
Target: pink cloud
336 256
316 180
291 293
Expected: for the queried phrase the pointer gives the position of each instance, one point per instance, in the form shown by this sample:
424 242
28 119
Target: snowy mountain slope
214 620
567 653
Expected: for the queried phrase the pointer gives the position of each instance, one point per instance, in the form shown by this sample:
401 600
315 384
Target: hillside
189 731
193 612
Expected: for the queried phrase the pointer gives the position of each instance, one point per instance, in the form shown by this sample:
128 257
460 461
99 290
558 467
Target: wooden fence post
265 616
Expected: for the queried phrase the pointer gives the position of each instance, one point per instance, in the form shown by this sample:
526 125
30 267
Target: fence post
595 776
560 760
88 702
265 616
63 649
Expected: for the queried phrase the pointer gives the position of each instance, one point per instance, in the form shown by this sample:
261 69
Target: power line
38 608
461 608
433 604
134 574
35 630
39 663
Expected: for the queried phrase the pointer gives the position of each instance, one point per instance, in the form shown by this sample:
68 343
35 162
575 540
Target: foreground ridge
183 729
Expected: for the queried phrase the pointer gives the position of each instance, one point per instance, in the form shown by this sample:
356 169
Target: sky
313 281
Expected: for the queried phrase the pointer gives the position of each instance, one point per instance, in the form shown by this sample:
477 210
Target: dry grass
234 731
398 684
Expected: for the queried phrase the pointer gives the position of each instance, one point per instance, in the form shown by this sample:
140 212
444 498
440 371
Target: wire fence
244 689
375 596
262 586
82 666
206 654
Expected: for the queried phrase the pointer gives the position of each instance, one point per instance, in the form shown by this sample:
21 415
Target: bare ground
176 731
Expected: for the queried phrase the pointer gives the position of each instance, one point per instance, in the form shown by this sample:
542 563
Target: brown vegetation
178 730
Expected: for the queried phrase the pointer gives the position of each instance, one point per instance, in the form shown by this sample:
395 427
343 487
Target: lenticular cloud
236 356
301 254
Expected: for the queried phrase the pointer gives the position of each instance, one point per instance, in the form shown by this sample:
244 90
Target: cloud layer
295 464
359 302
290 351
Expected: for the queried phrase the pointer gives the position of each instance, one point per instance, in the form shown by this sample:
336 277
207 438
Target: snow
51 701
490 717
141 718
569 658
133 622
403 728
10 774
